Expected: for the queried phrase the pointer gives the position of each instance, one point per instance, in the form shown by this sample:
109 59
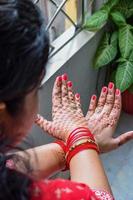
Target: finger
124 138
44 124
56 95
51 128
102 100
71 95
109 99
64 90
92 107
78 104
116 110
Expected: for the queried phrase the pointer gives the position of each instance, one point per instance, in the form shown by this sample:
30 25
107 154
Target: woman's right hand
66 112
103 116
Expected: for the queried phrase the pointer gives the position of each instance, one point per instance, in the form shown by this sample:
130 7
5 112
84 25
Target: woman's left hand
102 117
66 113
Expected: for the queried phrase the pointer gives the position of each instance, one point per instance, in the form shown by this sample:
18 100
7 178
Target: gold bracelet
80 142
83 141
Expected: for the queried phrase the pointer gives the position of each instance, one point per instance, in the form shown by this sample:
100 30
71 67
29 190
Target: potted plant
116 46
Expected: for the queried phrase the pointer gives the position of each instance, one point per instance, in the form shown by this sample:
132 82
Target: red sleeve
64 190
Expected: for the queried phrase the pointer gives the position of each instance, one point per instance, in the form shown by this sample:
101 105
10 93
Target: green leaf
121 60
125 7
110 4
106 51
96 21
125 41
118 18
114 38
131 89
131 56
124 75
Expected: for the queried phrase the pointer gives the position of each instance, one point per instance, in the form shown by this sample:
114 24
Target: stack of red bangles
79 139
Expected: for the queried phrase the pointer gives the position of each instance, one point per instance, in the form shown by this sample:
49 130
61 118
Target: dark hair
24 48
14 185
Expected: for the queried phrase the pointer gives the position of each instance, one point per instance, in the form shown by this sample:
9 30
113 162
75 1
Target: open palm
65 113
103 118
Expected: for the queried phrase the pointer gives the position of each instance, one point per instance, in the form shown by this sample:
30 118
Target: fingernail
94 97
77 95
59 78
64 77
69 84
104 89
117 92
111 85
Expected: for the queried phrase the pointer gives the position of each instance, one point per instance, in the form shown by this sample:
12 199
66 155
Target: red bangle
79 136
74 146
77 130
64 148
78 149
81 133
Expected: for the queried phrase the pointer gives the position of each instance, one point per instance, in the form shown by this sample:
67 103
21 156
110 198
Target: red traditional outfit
60 189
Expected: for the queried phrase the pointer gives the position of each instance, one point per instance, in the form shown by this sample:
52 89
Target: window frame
78 26
74 41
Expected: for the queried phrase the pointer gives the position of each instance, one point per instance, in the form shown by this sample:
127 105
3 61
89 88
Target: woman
24 47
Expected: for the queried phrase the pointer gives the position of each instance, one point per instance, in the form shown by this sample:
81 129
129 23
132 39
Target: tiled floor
119 163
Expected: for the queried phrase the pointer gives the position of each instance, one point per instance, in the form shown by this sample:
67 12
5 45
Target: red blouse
60 189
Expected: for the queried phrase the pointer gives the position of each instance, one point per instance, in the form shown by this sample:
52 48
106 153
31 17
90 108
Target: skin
65 119
61 94
102 117
45 160
109 103
17 127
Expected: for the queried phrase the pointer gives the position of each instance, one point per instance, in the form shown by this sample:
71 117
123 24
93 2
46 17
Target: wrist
60 153
79 140
73 129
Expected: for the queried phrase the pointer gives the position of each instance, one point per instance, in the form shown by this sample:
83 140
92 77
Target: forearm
86 167
45 160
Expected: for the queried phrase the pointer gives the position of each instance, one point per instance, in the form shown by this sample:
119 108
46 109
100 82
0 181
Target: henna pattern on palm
65 111
103 118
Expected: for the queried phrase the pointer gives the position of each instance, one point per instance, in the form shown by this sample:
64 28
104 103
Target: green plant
116 45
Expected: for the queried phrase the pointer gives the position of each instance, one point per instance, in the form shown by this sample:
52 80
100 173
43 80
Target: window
61 15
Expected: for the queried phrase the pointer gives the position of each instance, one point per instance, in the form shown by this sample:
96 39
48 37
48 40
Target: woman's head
24 47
